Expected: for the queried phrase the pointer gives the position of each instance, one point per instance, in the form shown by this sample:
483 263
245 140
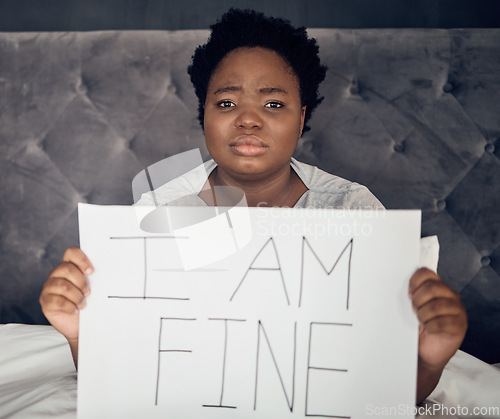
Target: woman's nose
248 118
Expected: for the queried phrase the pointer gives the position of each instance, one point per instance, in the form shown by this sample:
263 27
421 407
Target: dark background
87 15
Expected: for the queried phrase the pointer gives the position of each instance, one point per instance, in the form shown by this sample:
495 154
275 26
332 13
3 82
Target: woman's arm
63 295
443 322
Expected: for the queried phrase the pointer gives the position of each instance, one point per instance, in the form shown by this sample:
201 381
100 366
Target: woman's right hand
63 294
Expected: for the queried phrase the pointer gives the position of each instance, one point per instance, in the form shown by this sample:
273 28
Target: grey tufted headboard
412 114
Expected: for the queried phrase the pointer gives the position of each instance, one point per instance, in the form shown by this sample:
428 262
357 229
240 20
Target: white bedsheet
469 387
38 378
37 374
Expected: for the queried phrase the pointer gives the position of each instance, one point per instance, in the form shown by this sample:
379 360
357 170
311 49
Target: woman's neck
283 189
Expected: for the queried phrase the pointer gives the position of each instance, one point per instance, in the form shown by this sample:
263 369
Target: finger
438 307
73 274
66 289
430 290
54 303
77 257
420 276
451 325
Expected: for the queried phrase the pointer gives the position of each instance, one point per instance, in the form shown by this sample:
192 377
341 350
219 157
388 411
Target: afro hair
248 28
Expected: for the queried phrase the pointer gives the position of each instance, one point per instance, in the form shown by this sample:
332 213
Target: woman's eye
225 104
274 105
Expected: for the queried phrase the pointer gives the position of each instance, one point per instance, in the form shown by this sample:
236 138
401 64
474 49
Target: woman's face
253 114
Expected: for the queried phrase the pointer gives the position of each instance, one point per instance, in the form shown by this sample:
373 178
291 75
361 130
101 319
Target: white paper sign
306 313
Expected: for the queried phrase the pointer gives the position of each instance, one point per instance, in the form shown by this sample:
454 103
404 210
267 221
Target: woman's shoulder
330 191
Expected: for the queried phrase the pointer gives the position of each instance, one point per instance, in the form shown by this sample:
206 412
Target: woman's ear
302 117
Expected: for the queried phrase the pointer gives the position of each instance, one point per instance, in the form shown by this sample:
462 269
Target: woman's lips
248 146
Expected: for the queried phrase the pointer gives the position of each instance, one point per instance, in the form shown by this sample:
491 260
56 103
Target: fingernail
82 305
89 271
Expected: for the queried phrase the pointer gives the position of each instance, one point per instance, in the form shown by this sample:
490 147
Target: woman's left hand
442 318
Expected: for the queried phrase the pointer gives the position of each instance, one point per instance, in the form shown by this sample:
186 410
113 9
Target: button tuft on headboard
447 88
399 147
485 261
441 204
489 148
81 87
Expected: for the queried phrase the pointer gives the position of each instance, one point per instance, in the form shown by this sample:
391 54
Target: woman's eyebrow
227 89
265 90
270 90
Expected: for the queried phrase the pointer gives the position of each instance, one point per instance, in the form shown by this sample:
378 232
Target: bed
412 114
38 379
